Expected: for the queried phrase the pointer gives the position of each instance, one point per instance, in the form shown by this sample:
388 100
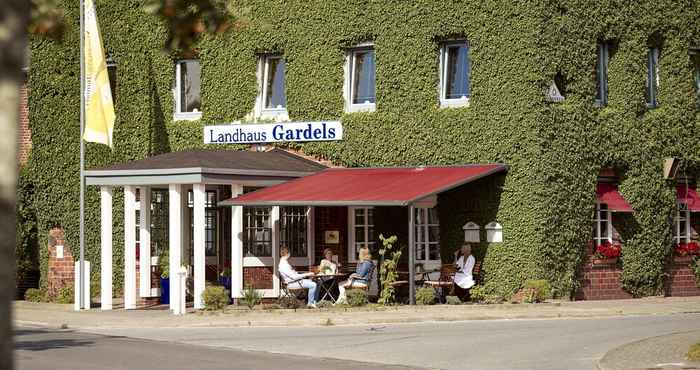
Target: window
293 230
455 71
601 72
210 221
159 221
112 75
257 232
695 58
652 83
682 229
360 80
362 231
427 235
188 101
602 228
273 96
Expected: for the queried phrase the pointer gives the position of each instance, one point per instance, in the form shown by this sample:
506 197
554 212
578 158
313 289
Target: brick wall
61 270
258 277
601 280
681 280
24 135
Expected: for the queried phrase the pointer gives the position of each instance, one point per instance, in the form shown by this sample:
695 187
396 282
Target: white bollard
86 285
181 307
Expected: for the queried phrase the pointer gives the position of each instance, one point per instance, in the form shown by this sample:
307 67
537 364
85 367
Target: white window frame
179 115
262 74
352 251
442 85
427 262
349 75
654 53
599 216
682 217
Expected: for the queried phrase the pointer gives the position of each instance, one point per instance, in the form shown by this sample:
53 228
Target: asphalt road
489 344
37 349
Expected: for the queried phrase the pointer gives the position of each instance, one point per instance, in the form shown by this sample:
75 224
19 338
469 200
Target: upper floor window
112 75
601 72
695 58
360 79
272 99
455 71
602 228
682 229
652 83
188 101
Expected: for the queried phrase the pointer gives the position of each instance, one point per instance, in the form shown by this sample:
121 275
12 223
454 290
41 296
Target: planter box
603 261
683 259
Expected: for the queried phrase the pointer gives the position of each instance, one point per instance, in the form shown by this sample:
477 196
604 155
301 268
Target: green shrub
694 352
214 298
477 293
65 295
164 265
695 266
251 297
289 303
541 290
356 297
425 296
34 295
324 304
453 299
387 269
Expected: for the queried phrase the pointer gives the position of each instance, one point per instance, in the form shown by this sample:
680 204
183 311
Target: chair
370 276
446 281
290 292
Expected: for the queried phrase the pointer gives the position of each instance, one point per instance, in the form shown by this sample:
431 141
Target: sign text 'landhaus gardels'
273 132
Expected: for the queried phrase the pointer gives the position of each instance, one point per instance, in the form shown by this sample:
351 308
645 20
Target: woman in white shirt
327 266
465 264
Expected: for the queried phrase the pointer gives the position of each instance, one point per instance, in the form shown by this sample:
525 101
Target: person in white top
327 266
465 264
296 280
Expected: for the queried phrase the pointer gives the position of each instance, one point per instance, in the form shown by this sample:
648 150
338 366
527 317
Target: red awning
689 196
366 186
608 194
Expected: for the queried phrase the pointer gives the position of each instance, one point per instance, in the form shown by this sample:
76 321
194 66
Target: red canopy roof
689 196
608 194
366 186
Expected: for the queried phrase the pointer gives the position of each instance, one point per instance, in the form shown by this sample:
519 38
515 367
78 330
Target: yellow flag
99 109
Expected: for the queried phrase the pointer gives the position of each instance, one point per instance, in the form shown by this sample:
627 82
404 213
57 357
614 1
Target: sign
273 132
332 237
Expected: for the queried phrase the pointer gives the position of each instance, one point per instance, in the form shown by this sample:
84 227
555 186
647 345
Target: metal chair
287 291
444 283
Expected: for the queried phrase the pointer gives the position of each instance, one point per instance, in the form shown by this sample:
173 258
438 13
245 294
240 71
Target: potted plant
607 253
225 276
684 252
164 266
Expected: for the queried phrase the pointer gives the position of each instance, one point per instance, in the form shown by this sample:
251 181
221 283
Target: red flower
608 250
687 249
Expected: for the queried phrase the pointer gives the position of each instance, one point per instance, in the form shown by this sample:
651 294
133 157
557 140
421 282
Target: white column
145 242
198 238
175 240
86 287
236 244
275 221
311 234
106 247
129 247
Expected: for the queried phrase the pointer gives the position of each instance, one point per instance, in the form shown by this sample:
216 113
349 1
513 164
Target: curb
672 355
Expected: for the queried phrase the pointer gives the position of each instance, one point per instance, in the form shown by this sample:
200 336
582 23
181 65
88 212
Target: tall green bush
387 271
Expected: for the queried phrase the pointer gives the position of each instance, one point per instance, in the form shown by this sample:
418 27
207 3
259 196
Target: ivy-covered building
583 102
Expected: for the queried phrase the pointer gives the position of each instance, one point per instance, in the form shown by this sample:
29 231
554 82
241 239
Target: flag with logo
99 109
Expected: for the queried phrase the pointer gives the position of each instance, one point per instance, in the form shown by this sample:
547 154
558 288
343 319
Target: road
487 344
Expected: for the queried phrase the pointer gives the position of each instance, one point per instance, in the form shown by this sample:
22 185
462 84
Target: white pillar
86 287
275 221
129 247
145 242
199 195
236 244
106 247
175 240
311 234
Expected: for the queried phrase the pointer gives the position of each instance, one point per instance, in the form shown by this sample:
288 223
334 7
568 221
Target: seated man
360 279
295 280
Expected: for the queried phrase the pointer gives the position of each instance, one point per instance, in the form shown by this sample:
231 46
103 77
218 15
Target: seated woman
295 280
359 279
464 261
327 266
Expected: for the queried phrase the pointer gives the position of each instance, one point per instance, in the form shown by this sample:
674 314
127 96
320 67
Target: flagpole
81 283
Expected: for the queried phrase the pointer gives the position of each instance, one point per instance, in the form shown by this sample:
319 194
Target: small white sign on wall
59 251
471 232
494 232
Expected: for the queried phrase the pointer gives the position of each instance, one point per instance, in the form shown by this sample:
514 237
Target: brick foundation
61 270
258 277
600 279
680 281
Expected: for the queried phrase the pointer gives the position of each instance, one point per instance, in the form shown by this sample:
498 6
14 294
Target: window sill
276 115
454 103
187 116
355 108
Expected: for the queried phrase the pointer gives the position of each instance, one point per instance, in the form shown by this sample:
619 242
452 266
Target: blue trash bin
164 291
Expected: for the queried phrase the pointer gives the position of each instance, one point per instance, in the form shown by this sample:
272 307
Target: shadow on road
31 340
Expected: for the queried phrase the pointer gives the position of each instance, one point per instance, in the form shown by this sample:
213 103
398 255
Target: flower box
687 249
604 261
683 259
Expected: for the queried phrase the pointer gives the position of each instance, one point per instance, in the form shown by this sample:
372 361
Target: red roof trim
689 196
607 193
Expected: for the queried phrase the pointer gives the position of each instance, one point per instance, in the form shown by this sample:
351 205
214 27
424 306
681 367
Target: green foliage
251 297
34 295
290 303
387 270
554 151
695 266
694 352
356 297
453 300
164 265
425 296
541 290
324 304
477 293
65 295
215 298
27 243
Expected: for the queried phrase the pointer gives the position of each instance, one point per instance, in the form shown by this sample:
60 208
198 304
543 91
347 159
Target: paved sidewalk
662 352
55 315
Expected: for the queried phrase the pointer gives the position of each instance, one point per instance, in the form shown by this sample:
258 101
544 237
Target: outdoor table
328 283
